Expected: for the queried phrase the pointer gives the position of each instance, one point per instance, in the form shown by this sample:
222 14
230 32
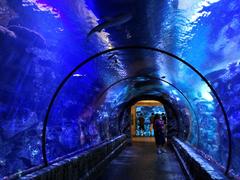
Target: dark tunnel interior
71 71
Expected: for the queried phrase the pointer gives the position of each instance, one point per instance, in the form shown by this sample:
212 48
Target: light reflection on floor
144 139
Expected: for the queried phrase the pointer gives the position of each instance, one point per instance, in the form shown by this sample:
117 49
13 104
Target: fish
79 75
27 37
113 22
2 163
112 56
5 32
19 39
7 38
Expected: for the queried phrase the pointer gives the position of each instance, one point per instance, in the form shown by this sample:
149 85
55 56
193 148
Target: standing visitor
159 133
164 118
151 122
141 124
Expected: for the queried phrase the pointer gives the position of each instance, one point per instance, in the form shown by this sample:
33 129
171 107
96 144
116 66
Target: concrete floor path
141 162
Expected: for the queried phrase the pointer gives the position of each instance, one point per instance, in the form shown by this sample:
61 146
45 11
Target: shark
111 22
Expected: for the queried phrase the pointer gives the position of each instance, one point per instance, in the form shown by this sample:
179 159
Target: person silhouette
141 123
159 133
151 123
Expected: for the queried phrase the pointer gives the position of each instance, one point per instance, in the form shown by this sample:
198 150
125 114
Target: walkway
141 162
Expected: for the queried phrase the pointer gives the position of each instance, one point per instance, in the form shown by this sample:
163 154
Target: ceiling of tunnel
124 91
169 25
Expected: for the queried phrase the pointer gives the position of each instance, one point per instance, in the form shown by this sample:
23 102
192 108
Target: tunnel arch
158 79
167 99
60 86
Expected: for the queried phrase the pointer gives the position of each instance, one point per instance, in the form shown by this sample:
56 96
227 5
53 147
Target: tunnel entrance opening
175 126
144 110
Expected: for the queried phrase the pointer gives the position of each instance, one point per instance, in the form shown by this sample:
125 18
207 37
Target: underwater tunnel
74 73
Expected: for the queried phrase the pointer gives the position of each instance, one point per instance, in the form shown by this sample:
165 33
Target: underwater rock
24 122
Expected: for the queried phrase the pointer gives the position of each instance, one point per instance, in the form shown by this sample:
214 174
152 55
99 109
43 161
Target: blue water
147 112
41 41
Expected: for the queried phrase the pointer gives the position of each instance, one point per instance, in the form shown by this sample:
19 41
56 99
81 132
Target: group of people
158 125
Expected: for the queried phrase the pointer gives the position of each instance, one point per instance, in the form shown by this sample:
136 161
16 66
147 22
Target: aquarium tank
146 112
68 69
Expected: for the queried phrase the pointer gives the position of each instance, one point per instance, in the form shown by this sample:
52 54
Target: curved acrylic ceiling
207 105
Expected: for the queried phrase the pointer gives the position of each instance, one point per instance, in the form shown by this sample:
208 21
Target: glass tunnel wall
89 120
74 113
42 41
38 47
107 71
124 91
213 47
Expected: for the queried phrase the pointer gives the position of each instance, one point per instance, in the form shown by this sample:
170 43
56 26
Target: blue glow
43 40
